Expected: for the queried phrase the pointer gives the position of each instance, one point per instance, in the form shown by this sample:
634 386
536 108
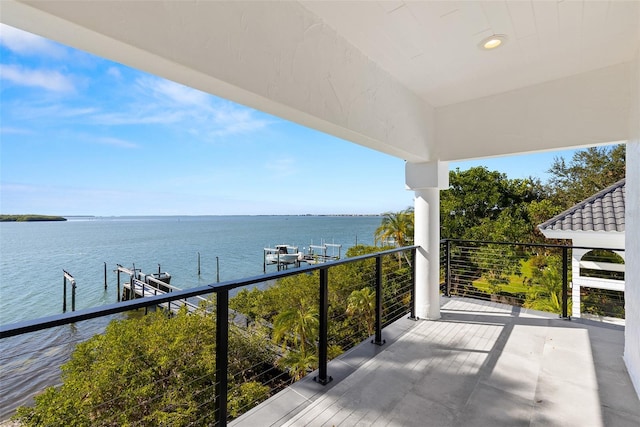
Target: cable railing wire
519 274
568 280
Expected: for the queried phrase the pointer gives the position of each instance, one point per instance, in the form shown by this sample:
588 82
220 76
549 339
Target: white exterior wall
632 273
592 239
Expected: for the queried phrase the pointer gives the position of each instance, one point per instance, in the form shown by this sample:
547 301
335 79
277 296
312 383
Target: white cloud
174 92
232 120
148 100
114 72
24 43
147 116
158 101
28 111
45 79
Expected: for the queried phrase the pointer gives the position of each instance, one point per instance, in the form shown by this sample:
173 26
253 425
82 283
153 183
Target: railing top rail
154 285
68 276
34 325
124 270
545 245
161 283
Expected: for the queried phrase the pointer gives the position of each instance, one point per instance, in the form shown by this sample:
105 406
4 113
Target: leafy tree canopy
486 205
155 370
396 227
588 172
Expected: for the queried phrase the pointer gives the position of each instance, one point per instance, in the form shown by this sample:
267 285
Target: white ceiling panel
523 18
390 5
546 40
594 14
369 71
402 27
498 16
429 47
570 23
621 15
473 19
546 16
529 49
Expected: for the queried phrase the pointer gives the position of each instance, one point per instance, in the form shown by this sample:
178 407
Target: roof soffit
422 50
432 47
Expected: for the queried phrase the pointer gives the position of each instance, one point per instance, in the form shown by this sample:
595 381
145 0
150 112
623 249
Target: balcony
325 67
482 363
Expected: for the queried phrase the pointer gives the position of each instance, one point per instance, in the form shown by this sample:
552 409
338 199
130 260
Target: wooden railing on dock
136 288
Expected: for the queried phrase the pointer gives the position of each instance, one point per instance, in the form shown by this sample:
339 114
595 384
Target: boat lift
317 258
285 255
282 256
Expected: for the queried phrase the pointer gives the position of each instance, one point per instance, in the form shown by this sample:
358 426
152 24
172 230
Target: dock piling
64 293
132 293
73 295
66 276
118 279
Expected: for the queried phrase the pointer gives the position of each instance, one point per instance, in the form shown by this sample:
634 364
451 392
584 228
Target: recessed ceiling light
492 42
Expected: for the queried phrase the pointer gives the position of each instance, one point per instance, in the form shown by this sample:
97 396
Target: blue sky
81 135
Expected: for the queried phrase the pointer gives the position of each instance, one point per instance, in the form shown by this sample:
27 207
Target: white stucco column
427 235
427 179
576 256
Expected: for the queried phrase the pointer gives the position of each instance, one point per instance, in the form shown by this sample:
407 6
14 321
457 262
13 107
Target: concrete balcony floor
481 364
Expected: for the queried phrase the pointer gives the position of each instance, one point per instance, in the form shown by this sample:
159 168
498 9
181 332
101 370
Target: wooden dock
142 285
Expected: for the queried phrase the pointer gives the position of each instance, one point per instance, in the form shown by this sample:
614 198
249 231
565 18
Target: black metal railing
546 277
352 300
388 277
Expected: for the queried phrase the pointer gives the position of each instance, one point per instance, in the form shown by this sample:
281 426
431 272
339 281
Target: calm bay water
33 255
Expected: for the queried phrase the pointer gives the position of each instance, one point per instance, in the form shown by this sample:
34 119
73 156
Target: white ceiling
432 46
403 77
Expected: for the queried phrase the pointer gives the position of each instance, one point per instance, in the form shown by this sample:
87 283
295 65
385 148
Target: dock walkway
142 289
150 286
142 285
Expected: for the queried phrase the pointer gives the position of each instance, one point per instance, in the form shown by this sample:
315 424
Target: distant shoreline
53 218
30 218
74 217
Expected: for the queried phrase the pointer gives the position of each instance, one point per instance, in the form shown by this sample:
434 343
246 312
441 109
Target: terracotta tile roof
603 211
